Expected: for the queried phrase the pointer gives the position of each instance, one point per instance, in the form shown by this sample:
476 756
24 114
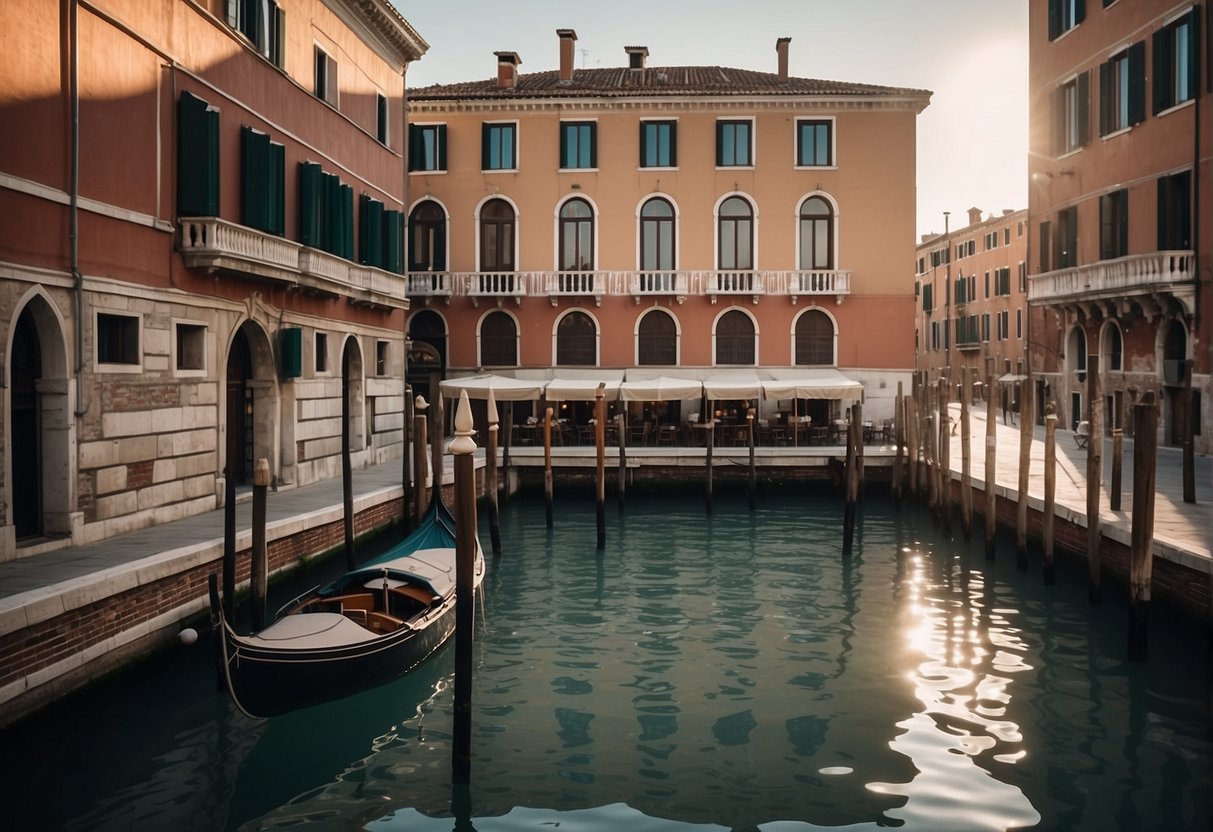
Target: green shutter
345 195
593 145
330 222
1137 82
310 213
197 158
370 231
673 144
414 143
564 146
719 143
484 146
1105 98
393 241
1080 11
276 189
440 161
254 164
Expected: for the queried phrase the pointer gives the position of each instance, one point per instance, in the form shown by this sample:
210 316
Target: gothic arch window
498 340
577 340
735 339
657 339
1111 358
814 338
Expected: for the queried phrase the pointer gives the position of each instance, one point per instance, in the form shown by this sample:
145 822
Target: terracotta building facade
201 253
683 220
1119 201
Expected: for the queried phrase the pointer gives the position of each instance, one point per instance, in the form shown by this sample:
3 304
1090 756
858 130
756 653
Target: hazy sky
972 54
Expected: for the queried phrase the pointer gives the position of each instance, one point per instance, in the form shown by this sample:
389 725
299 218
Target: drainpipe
74 207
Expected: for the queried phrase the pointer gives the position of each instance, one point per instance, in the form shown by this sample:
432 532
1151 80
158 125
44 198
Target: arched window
1076 352
496 236
814 338
657 339
816 234
427 238
1174 352
735 339
576 236
498 340
577 340
736 233
656 235
1112 350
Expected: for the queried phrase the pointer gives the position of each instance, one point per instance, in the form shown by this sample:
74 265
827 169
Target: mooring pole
408 484
1050 572
849 487
490 476
966 461
944 466
1189 461
1118 453
898 437
749 418
600 469
621 427
508 428
229 546
547 464
1026 418
436 437
347 474
212 588
419 443
707 476
462 448
857 418
991 471
1094 480
911 422
258 567
1141 535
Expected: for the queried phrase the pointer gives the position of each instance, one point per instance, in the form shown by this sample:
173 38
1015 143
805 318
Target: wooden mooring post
930 419
347 474
966 462
547 465
229 545
600 470
1050 509
749 418
991 466
1094 480
490 476
857 417
1118 453
437 432
406 461
911 423
622 485
259 566
850 484
709 433
419 443
944 464
899 437
1026 418
507 428
1141 534
1189 430
462 448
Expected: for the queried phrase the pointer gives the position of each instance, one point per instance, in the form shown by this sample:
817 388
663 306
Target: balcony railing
1135 276
212 243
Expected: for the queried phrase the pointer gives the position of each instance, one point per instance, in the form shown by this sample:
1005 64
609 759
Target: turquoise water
731 671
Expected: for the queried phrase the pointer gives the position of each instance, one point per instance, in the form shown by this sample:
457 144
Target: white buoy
188 636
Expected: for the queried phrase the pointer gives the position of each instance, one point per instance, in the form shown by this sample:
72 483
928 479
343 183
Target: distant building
686 219
1120 202
190 276
971 285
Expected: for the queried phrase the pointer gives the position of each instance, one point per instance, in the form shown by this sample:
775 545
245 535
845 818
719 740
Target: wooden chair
1082 433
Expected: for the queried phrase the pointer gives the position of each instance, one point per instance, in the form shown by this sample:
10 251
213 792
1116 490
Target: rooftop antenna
585 54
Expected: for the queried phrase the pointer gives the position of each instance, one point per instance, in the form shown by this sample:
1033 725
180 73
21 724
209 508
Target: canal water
722 671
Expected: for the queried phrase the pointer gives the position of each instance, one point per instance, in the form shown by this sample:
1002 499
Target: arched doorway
26 448
239 453
427 327
352 411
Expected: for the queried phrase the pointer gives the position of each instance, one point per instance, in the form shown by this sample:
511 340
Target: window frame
135 364
437 253
320 354
1167 62
267 22
643 231
200 329
1122 85
734 341
1064 16
510 244
798 162
418 160
486 130
482 355
800 349
752 237
672 161
383 120
1174 215
1114 224
831 233
572 314
722 125
564 145
645 341
383 360
578 224
324 77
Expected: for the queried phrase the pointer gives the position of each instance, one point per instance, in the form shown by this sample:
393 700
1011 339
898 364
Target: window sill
657 168
815 167
734 167
425 172
499 170
1074 151
1174 108
577 170
1119 131
183 373
100 367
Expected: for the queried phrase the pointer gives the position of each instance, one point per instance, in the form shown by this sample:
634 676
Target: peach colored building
669 219
200 253
1119 200
971 284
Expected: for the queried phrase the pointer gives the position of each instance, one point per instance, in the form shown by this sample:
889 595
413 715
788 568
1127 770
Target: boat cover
433 567
310 631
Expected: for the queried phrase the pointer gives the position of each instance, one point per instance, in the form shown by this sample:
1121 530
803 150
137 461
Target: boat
373 624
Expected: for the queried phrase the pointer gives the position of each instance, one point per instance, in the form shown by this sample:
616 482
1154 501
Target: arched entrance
352 411
251 405
238 459
426 366
26 448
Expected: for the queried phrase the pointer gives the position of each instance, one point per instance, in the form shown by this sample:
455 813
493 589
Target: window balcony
658 284
1146 280
428 285
575 284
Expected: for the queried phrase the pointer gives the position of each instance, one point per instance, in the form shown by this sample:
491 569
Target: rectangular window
381 358
814 143
1046 247
935 335
578 145
987 276
499 146
263 23
1176 63
1066 243
325 77
1122 89
658 144
1023 278
370 231
1064 15
1019 323
985 326
322 352
1175 212
1006 236
118 339
262 182
189 347
928 299
427 147
1071 115
734 143
1114 225
197 157
381 122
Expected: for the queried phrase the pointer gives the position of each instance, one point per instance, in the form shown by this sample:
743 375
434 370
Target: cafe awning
583 387
660 389
732 384
504 388
810 383
1011 378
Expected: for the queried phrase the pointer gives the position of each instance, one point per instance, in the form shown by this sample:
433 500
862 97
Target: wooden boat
371 625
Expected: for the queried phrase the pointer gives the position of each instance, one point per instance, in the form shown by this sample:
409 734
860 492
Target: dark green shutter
439 256
1054 18
1137 82
673 144
279 48
1084 108
484 146
197 158
254 185
1105 98
346 196
1080 11
370 231
719 143
393 241
310 214
642 146
1162 93
276 190
440 148
414 147
564 146
593 145
329 221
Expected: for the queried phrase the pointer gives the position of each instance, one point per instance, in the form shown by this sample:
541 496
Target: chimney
507 69
568 42
637 55
974 216
781 48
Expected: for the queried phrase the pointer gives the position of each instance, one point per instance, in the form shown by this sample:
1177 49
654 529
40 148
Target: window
325 77
1019 323
496 236
326 211
263 23
659 144
814 143
985 326
499 146
1114 225
1004 325
1066 243
657 340
1175 212
576 236
1122 89
197 157
427 147
736 227
1002 281
814 338
1046 246
816 234
735 338
1071 115
928 299
1023 278
734 143
427 238
1006 236
322 352
935 335
1064 15
189 347
262 182
381 111
578 145
1112 351
577 340
657 244
381 358
118 339
1176 63
987 280
498 340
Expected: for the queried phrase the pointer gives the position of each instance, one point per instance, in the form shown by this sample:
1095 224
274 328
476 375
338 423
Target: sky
971 54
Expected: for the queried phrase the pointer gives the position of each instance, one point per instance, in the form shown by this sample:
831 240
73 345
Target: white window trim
206 348
328 358
517 147
480 362
677 225
796 142
137 367
716 228
753 142
586 198
446 214
336 103
796 230
476 222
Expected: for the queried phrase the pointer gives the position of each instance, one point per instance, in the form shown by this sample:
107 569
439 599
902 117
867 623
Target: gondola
371 625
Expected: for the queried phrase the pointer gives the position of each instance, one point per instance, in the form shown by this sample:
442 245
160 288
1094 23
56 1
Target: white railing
657 283
1124 276
429 284
574 283
210 242
323 267
378 286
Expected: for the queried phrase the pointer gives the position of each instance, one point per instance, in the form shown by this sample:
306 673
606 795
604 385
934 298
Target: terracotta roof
669 81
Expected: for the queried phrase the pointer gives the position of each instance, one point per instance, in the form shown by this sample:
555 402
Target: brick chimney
974 216
637 55
568 45
781 48
507 69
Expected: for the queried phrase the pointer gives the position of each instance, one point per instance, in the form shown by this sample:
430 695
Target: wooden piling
944 465
710 439
600 471
508 429
621 439
258 566
991 466
490 476
1025 466
913 453
966 462
462 449
406 461
857 418
898 438
1189 430
437 433
749 418
1141 534
229 545
547 464
419 444
1094 480
850 479
1050 509
1118 453
212 588
347 474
